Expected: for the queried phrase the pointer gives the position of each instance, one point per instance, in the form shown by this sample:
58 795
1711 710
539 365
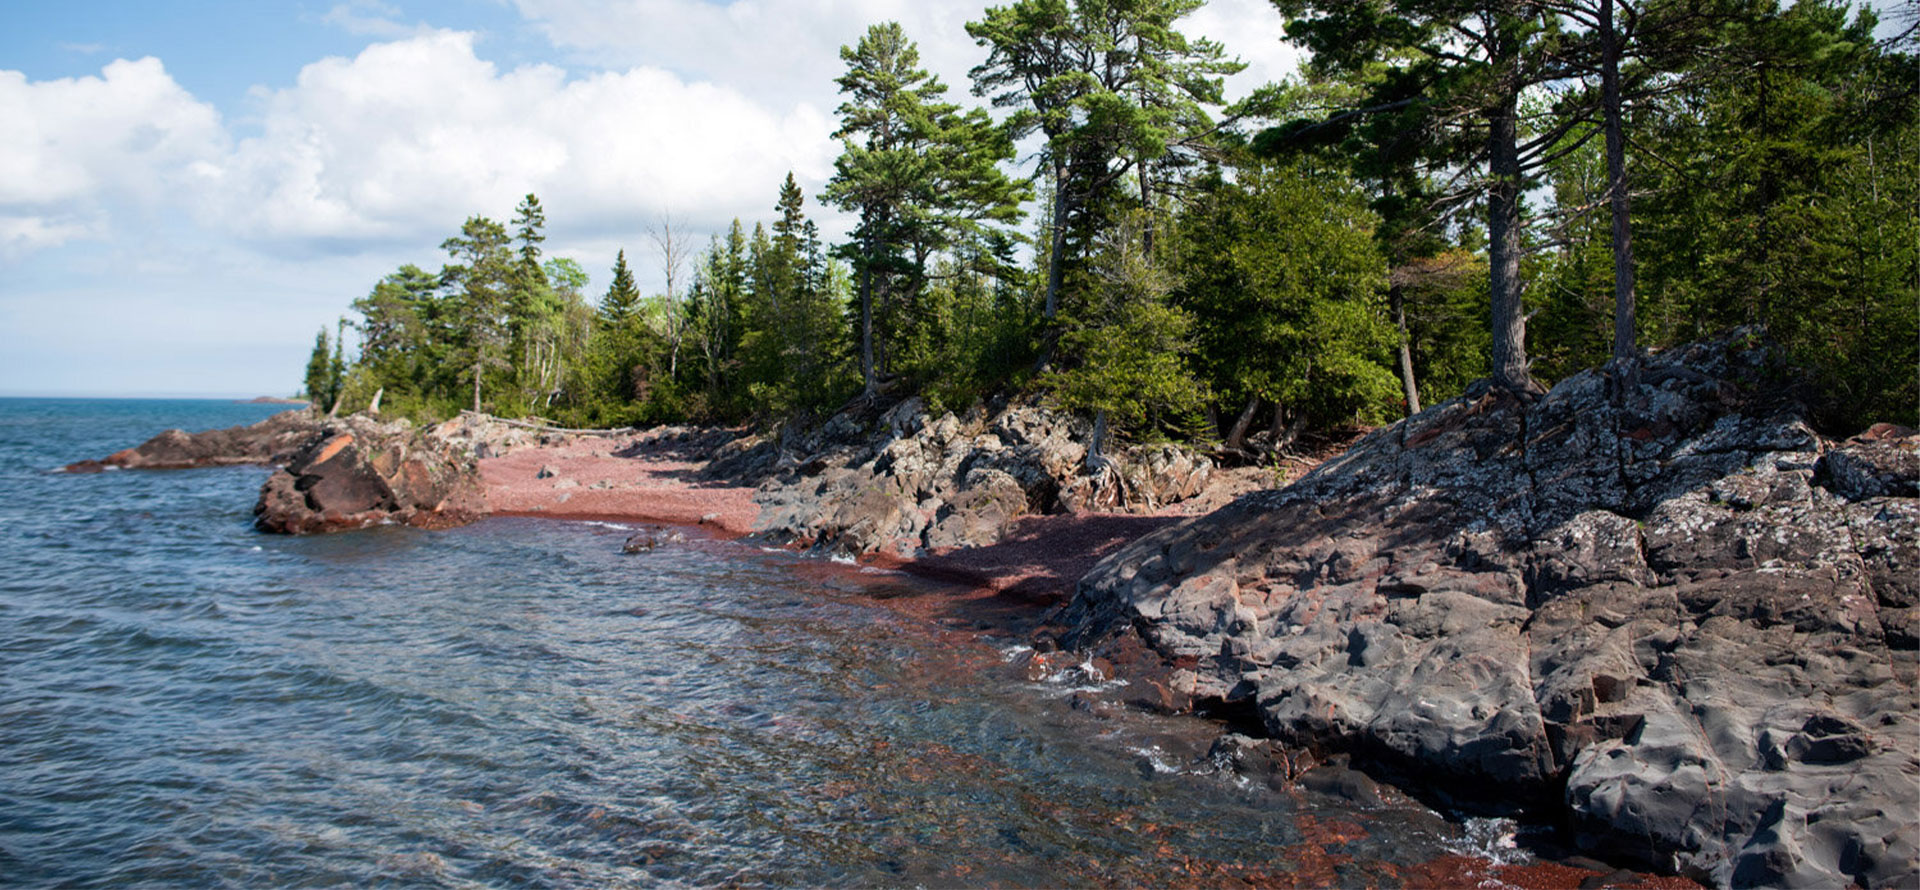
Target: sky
190 190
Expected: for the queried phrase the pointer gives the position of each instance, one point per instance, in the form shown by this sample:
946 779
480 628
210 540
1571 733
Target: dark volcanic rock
1681 615
357 472
906 481
271 441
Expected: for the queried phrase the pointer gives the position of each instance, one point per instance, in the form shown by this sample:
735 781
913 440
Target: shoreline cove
1611 608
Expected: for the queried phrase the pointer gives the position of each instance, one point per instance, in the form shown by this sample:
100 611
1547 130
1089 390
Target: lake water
187 702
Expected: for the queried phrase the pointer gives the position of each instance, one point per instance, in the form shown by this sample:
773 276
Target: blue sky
189 190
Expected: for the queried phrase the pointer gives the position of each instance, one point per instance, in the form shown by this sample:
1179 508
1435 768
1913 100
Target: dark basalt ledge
270 442
1678 616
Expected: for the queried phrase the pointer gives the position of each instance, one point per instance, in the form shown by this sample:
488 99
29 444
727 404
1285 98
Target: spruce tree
318 368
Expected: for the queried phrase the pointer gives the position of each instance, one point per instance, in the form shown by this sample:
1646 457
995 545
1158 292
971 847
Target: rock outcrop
357 472
907 481
1664 606
269 442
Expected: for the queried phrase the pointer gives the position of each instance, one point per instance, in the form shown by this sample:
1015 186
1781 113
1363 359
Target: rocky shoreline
1664 611
1654 606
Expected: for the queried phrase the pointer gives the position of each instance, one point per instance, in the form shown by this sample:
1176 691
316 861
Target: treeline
1525 189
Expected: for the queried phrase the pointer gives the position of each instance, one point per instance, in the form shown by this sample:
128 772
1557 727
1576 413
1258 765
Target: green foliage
1786 198
318 371
925 180
1774 157
1281 267
1116 90
1126 353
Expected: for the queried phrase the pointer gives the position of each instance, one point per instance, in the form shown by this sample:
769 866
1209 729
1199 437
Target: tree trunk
375 407
1407 385
1283 432
1623 297
476 387
1059 240
1050 335
1509 323
866 316
1097 443
1237 437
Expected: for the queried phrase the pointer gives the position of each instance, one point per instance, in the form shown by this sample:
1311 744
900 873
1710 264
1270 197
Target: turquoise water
187 702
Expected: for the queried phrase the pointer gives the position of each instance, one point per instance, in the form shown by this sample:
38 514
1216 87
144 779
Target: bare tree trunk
866 318
1407 385
476 387
1509 323
1237 437
673 252
1623 296
375 407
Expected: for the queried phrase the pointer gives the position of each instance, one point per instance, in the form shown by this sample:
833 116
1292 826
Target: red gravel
654 484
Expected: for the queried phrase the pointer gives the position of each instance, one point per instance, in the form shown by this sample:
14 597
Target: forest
1447 191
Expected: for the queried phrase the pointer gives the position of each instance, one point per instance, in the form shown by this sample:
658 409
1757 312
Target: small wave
1492 839
1156 758
612 525
843 559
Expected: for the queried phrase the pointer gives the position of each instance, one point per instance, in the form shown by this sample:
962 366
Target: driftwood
541 427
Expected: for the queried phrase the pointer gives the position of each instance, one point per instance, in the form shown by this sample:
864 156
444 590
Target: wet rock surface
1666 610
903 481
271 441
358 472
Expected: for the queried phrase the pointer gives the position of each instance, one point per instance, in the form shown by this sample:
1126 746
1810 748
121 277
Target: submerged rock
1679 615
357 472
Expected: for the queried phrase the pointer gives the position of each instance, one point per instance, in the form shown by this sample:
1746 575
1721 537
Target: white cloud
74 146
412 136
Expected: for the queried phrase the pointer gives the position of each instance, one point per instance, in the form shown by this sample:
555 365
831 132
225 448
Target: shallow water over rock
184 701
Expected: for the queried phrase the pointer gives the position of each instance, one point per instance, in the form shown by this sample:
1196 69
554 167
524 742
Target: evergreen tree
318 370
1113 87
1783 197
920 173
481 280
1452 94
1130 343
1284 280
622 300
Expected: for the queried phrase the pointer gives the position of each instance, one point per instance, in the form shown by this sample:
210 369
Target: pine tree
1453 90
1114 87
482 281
921 174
